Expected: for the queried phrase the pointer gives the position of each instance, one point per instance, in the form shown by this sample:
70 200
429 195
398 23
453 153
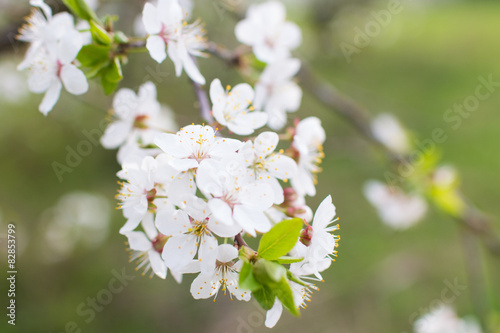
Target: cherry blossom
166 29
232 108
265 29
276 93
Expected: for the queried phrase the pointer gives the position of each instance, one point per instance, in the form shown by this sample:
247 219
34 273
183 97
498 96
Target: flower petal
156 48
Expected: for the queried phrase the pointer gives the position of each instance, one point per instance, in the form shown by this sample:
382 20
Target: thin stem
239 241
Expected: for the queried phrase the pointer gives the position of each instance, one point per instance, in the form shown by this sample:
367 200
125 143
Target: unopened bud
290 196
306 236
247 253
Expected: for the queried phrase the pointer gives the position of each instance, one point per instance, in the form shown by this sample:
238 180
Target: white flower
146 253
235 197
322 242
444 320
268 32
388 131
190 230
193 144
55 45
138 118
232 108
276 93
266 165
395 208
138 192
165 26
225 274
43 30
308 145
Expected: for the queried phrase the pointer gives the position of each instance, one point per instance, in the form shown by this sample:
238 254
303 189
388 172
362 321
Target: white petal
204 286
217 92
274 314
148 224
179 251
69 46
175 56
150 19
51 97
138 241
243 93
266 142
190 66
116 134
222 147
226 253
221 211
281 166
172 223
74 80
291 36
251 220
223 230
170 145
156 48
157 264
130 225
208 254
324 214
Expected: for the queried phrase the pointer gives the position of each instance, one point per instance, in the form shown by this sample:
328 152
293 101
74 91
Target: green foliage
94 55
97 58
81 9
280 239
99 34
288 260
264 275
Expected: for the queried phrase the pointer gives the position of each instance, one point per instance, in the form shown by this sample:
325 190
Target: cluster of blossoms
190 195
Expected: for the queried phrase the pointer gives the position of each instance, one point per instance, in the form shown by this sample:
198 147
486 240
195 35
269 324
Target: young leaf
247 280
99 34
93 55
280 239
81 9
288 260
265 296
283 291
267 272
113 72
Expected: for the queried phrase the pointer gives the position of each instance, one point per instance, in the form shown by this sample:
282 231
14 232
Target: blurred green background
428 58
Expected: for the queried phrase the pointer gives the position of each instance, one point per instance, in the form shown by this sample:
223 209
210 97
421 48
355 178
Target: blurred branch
474 220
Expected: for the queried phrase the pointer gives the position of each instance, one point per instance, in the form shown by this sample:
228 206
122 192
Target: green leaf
81 9
113 72
268 272
93 55
288 260
247 280
108 86
265 296
280 239
283 291
99 34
